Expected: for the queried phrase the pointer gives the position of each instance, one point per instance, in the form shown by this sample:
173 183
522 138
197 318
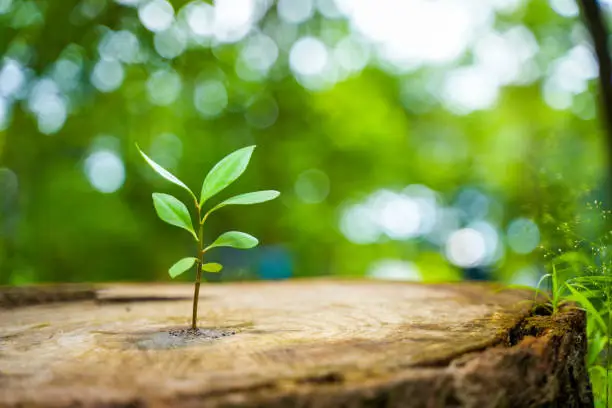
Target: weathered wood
24 296
314 343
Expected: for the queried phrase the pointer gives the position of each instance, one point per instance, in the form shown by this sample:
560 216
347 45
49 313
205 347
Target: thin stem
206 216
196 293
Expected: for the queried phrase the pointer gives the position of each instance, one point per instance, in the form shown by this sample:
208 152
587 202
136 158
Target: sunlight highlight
105 171
393 269
156 15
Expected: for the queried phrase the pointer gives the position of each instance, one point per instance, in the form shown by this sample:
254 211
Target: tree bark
595 24
312 343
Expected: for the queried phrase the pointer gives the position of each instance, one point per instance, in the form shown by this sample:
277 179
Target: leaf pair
185 264
224 173
233 239
174 212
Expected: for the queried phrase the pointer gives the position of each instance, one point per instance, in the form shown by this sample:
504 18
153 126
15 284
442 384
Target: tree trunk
311 343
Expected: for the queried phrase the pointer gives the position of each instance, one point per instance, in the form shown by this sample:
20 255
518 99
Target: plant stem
199 263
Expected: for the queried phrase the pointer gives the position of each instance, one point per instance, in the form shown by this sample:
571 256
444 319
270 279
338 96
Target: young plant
174 212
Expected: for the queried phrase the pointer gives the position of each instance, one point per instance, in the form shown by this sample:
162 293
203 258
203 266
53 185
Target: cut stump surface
316 343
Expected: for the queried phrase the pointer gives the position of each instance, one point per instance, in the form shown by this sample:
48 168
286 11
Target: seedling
174 212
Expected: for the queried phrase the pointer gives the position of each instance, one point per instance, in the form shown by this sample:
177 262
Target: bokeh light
12 78
470 89
295 12
4 113
466 248
312 186
200 17
473 204
351 54
120 45
49 105
400 217
105 171
156 15
262 112
308 56
5 6
210 98
234 19
66 74
328 9
523 235
170 43
358 224
568 76
565 8
107 75
164 87
259 53
527 276
392 269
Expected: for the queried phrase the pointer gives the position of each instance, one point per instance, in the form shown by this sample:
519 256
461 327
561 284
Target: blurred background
424 140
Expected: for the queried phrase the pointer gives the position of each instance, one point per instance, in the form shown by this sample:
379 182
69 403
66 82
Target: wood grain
306 343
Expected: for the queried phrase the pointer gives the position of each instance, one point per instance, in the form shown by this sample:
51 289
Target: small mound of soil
198 333
180 338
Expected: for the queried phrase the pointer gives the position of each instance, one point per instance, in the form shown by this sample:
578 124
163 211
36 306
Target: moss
542 321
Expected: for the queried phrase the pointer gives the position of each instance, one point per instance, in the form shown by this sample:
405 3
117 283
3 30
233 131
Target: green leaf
234 239
225 172
598 369
588 306
172 211
165 173
597 342
181 266
212 267
573 257
255 197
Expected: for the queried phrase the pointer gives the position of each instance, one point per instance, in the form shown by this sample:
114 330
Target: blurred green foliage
327 142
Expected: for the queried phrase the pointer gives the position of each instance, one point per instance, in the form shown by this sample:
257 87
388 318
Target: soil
198 333
175 338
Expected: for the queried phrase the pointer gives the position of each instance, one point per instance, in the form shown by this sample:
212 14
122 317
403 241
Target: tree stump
310 343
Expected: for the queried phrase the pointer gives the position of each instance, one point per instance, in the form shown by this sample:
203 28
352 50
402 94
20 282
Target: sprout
171 210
